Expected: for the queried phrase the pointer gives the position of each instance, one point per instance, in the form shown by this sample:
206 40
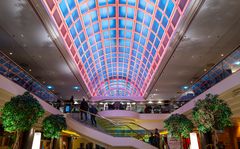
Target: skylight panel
106 38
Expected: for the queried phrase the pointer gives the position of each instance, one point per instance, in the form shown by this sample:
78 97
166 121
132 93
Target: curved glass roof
116 44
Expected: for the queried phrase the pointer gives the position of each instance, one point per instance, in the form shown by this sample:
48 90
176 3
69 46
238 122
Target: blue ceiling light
185 87
76 87
50 87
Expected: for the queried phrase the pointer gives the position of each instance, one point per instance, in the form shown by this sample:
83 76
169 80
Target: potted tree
19 114
178 125
52 126
211 114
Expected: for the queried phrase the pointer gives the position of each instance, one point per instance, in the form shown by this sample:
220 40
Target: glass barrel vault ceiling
117 45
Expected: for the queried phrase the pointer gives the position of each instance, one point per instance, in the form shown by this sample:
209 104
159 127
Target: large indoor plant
178 125
52 126
211 114
20 113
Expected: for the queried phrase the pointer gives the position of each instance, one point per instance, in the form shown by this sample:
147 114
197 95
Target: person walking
93 111
83 109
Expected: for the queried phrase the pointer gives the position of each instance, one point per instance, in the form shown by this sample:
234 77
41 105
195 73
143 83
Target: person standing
151 139
71 102
156 138
93 111
83 109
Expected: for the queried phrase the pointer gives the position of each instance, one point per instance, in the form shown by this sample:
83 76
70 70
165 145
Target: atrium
120 74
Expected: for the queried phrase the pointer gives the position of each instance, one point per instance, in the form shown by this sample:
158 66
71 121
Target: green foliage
211 113
53 125
178 125
21 112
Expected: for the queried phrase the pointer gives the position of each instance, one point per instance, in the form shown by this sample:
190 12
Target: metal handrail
225 57
29 75
204 74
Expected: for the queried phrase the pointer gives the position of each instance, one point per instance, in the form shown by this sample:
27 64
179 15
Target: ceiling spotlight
133 103
185 87
76 87
11 53
205 69
150 102
222 55
159 102
49 87
101 103
30 70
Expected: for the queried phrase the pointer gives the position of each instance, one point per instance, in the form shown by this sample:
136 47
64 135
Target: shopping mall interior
119 74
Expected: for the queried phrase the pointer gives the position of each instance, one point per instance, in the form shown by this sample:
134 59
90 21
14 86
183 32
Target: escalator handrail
117 124
114 122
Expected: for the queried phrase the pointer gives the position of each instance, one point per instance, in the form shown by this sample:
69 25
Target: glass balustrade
12 71
217 73
112 127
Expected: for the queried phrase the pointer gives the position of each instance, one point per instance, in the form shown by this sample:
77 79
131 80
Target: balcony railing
228 66
14 72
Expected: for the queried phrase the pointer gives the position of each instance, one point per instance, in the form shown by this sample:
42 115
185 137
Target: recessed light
150 102
76 87
49 86
30 70
11 53
222 55
185 87
205 69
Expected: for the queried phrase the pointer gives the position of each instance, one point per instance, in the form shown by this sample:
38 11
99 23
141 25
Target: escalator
110 132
